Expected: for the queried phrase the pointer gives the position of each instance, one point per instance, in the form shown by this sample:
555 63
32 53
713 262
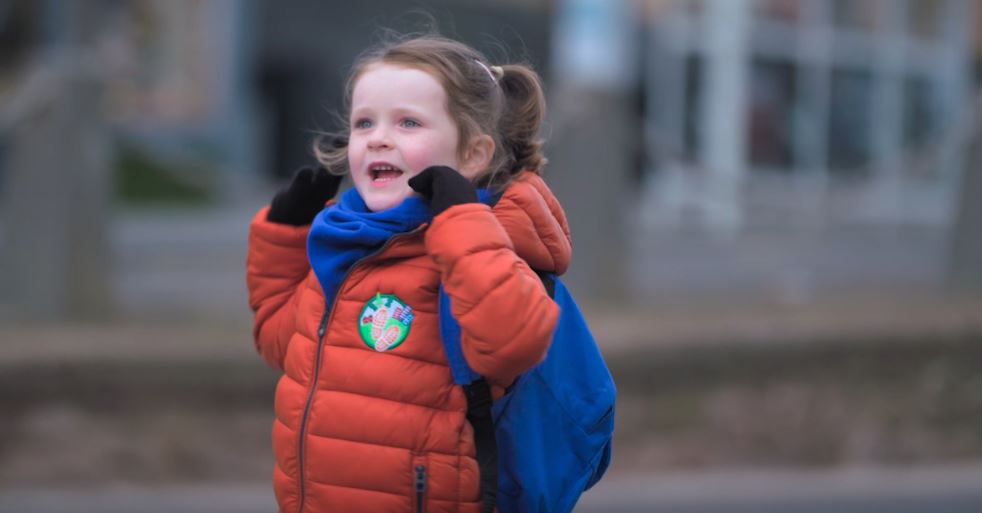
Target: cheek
430 151
354 155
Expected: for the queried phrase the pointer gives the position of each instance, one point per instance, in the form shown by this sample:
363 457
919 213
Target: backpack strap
548 281
479 415
479 400
450 333
478 393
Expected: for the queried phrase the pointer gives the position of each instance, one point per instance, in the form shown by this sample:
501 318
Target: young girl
443 152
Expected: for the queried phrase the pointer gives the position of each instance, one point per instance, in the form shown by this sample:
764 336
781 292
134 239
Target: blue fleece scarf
348 231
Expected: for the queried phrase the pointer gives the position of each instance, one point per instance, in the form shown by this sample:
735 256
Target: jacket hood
536 223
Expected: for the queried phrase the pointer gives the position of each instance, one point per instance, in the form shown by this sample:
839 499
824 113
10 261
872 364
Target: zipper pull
323 326
420 479
420 489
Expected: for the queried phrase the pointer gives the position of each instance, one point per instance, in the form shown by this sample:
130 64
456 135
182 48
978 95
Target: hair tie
494 72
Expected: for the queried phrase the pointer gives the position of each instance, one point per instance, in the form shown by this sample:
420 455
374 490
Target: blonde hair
505 102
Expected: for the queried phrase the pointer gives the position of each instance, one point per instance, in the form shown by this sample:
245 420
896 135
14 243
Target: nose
379 139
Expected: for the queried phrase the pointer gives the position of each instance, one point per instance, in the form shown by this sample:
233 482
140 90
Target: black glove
443 187
306 195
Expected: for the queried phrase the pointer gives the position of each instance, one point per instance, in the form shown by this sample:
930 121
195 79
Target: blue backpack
548 439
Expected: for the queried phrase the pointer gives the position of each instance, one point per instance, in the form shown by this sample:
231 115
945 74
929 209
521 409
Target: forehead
389 84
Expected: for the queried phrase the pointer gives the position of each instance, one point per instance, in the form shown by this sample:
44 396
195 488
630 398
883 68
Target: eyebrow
400 109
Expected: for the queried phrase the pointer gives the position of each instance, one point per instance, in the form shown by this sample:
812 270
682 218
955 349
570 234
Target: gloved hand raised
443 187
299 202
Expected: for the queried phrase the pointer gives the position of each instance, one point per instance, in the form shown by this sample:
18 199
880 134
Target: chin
377 202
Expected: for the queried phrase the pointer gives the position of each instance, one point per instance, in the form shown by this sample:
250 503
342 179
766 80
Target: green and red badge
384 322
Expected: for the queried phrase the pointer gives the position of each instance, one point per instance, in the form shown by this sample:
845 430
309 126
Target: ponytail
524 110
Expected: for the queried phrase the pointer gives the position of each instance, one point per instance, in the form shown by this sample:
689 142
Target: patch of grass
141 179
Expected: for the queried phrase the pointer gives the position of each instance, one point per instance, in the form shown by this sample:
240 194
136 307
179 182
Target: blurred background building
836 131
774 205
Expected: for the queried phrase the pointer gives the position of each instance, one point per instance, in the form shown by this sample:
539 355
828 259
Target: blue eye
363 123
411 123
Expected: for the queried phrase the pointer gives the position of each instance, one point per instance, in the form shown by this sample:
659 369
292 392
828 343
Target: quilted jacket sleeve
506 316
276 267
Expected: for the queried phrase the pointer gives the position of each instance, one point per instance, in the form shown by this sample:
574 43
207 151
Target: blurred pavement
936 490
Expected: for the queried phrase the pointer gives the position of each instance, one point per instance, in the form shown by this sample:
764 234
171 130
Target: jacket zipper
420 489
321 331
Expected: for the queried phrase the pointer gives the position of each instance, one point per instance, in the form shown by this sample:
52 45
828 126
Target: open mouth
383 173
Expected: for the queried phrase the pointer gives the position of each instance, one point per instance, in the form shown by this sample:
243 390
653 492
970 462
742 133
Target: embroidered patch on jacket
384 322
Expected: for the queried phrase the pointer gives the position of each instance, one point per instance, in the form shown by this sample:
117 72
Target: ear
477 157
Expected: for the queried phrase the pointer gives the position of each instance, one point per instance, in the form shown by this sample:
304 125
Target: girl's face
399 126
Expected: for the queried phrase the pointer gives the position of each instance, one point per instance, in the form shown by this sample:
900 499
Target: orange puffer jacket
361 430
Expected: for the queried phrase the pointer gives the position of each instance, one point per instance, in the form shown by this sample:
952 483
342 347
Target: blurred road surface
943 490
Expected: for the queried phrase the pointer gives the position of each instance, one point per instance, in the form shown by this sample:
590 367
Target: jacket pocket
420 484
